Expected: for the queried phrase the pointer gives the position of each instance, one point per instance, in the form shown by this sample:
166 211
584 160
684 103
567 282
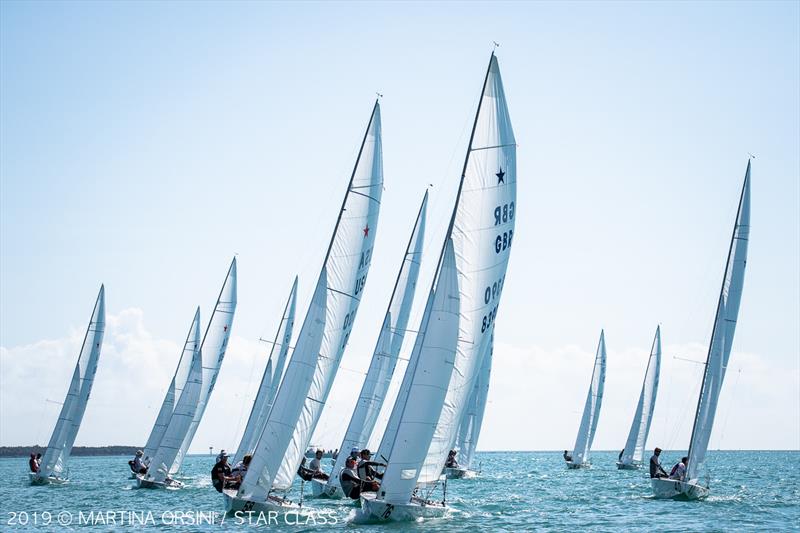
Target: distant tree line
25 451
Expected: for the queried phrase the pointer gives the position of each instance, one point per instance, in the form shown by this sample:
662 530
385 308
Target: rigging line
344 294
365 196
492 147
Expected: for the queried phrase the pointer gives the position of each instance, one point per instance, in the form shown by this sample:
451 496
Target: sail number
360 282
502 214
488 319
493 291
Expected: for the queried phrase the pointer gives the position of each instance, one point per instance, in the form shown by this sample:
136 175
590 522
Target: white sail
719 350
187 399
433 365
640 427
69 419
270 380
591 411
470 429
481 233
387 348
173 392
315 360
212 350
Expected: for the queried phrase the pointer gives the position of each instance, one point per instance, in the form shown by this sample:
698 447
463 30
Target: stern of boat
675 489
374 509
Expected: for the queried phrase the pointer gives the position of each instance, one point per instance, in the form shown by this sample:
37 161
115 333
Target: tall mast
719 305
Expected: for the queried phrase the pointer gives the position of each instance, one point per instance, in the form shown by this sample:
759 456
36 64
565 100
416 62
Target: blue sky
143 144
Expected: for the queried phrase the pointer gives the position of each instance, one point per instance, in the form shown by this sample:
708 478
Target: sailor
316 466
220 454
679 470
655 465
33 464
240 469
305 473
335 454
355 453
365 467
567 456
451 460
221 474
351 484
137 466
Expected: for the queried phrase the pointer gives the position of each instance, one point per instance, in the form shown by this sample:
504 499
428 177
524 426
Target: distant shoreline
100 451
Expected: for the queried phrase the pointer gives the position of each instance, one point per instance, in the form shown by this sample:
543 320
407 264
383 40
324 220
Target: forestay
173 393
637 438
591 411
326 328
273 372
387 348
470 429
180 419
719 350
434 352
212 350
482 232
69 419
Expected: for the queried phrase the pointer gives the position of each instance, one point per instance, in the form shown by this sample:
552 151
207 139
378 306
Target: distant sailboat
591 411
207 359
457 322
470 429
186 398
384 358
719 351
53 467
633 453
322 339
270 380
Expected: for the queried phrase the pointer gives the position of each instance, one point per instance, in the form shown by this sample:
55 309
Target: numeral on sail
487 319
493 291
503 213
503 241
360 282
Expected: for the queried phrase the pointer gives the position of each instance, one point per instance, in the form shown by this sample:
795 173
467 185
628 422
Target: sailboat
384 358
166 463
322 339
719 351
270 380
633 453
470 428
185 398
53 467
458 320
591 411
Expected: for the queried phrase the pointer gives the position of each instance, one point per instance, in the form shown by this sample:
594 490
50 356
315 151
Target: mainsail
212 351
387 348
719 349
173 392
470 429
69 419
186 399
480 235
640 427
591 411
270 380
326 328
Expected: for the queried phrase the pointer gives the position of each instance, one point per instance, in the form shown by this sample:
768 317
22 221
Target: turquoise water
517 491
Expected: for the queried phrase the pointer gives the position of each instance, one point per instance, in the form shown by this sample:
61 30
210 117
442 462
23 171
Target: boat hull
575 466
35 479
460 473
234 504
628 466
321 489
675 489
373 509
143 483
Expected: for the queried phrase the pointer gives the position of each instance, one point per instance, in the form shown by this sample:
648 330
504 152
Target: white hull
373 509
35 479
460 473
628 466
664 488
321 489
234 504
574 466
143 483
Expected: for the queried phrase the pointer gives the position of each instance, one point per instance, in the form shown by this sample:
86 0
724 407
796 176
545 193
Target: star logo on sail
500 176
366 231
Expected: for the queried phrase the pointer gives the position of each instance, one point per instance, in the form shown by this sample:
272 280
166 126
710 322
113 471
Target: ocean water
516 491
